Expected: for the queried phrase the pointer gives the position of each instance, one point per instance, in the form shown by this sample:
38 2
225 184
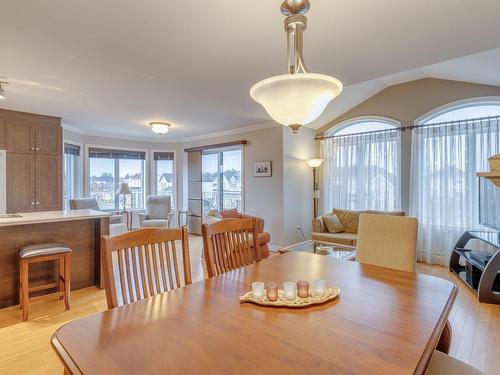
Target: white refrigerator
3 181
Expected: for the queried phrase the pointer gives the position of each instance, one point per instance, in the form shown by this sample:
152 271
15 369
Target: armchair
158 212
264 237
117 223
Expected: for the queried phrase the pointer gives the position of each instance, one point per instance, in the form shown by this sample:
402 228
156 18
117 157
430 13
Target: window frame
81 170
360 119
152 190
88 146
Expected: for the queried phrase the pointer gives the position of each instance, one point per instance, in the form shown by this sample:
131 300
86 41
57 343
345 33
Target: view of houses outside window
164 173
222 180
107 173
72 181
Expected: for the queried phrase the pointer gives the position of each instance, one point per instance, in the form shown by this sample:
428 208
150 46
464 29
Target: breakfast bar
80 230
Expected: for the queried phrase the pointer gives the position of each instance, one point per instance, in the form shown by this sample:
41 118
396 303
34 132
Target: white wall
103 141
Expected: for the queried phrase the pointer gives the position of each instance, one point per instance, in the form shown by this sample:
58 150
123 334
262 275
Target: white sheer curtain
444 188
362 171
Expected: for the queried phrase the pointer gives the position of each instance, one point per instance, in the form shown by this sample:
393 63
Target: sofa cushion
230 214
214 213
333 224
349 219
343 238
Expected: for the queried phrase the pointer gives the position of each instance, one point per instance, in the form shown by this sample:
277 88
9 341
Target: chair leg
60 277
20 287
67 279
25 288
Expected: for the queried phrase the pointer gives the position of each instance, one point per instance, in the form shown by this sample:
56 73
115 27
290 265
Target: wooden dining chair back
229 244
143 263
387 241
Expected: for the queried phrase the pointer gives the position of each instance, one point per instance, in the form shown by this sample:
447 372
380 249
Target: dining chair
387 241
143 263
441 364
230 244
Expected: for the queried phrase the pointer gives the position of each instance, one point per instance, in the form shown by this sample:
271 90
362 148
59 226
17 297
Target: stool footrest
45 296
43 287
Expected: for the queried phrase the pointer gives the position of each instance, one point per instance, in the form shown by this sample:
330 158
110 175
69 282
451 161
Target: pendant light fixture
299 97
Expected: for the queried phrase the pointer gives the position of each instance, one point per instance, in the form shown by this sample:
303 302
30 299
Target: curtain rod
404 128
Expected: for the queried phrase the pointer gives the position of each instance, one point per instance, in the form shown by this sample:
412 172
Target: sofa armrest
318 225
260 222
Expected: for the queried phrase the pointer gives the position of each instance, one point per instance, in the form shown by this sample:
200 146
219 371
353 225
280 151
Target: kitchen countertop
52 216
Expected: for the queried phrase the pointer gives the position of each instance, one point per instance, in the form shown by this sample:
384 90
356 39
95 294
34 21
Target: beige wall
297 183
263 196
406 103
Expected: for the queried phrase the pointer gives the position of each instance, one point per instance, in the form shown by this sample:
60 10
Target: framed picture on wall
262 169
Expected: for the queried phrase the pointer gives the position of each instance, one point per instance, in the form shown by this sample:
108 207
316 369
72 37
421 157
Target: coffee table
338 251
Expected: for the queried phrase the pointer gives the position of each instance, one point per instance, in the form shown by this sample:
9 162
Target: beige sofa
347 233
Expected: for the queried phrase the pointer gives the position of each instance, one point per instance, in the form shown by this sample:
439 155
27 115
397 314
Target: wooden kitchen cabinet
34 161
48 183
20 182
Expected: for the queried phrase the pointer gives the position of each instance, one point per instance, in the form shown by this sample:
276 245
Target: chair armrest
318 225
142 216
116 219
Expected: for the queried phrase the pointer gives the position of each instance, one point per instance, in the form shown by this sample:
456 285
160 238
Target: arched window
453 144
362 165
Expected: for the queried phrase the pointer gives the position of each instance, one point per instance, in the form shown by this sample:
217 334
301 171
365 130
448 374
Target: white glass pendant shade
296 98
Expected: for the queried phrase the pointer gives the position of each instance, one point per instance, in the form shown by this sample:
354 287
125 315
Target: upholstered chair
158 212
387 241
117 223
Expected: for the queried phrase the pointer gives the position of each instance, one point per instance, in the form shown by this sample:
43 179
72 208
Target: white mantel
52 216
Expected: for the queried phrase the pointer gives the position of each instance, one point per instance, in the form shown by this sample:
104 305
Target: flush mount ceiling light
299 97
2 90
158 127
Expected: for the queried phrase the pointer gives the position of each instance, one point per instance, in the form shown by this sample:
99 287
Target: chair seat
155 223
43 249
441 364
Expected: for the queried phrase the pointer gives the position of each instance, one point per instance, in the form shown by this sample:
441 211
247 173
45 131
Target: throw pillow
214 213
333 224
349 219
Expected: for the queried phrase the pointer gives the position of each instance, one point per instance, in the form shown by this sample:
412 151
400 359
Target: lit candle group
291 289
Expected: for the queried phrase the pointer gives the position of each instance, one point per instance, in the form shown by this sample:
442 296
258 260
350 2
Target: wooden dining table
383 322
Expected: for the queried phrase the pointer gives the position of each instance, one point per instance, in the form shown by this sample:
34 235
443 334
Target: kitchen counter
52 216
80 230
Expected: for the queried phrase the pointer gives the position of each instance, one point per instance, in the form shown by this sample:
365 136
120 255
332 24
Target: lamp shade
123 189
296 99
314 163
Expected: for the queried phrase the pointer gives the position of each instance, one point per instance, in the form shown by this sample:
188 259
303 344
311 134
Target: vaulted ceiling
112 66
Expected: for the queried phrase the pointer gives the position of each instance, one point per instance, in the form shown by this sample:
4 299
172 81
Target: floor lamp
314 164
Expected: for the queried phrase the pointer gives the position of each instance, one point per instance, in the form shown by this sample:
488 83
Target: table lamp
123 190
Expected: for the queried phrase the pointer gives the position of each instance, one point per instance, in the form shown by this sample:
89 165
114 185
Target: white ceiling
112 66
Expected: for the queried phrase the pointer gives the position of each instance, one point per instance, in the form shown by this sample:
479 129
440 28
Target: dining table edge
70 367
436 334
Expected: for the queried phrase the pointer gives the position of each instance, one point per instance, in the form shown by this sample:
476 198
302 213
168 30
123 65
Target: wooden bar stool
44 253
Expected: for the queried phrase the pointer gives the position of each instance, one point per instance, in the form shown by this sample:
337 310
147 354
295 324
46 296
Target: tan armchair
158 212
117 223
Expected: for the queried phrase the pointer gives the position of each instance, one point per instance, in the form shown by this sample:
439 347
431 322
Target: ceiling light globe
314 163
296 98
159 127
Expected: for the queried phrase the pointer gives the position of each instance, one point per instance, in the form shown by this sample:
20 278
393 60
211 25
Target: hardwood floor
25 347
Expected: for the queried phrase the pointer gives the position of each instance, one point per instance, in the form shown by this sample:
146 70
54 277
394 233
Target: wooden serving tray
330 294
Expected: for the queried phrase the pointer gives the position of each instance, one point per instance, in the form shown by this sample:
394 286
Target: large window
447 152
72 173
222 179
109 168
163 170
362 166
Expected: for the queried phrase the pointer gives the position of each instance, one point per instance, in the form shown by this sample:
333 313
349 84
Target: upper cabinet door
48 136
19 135
2 134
